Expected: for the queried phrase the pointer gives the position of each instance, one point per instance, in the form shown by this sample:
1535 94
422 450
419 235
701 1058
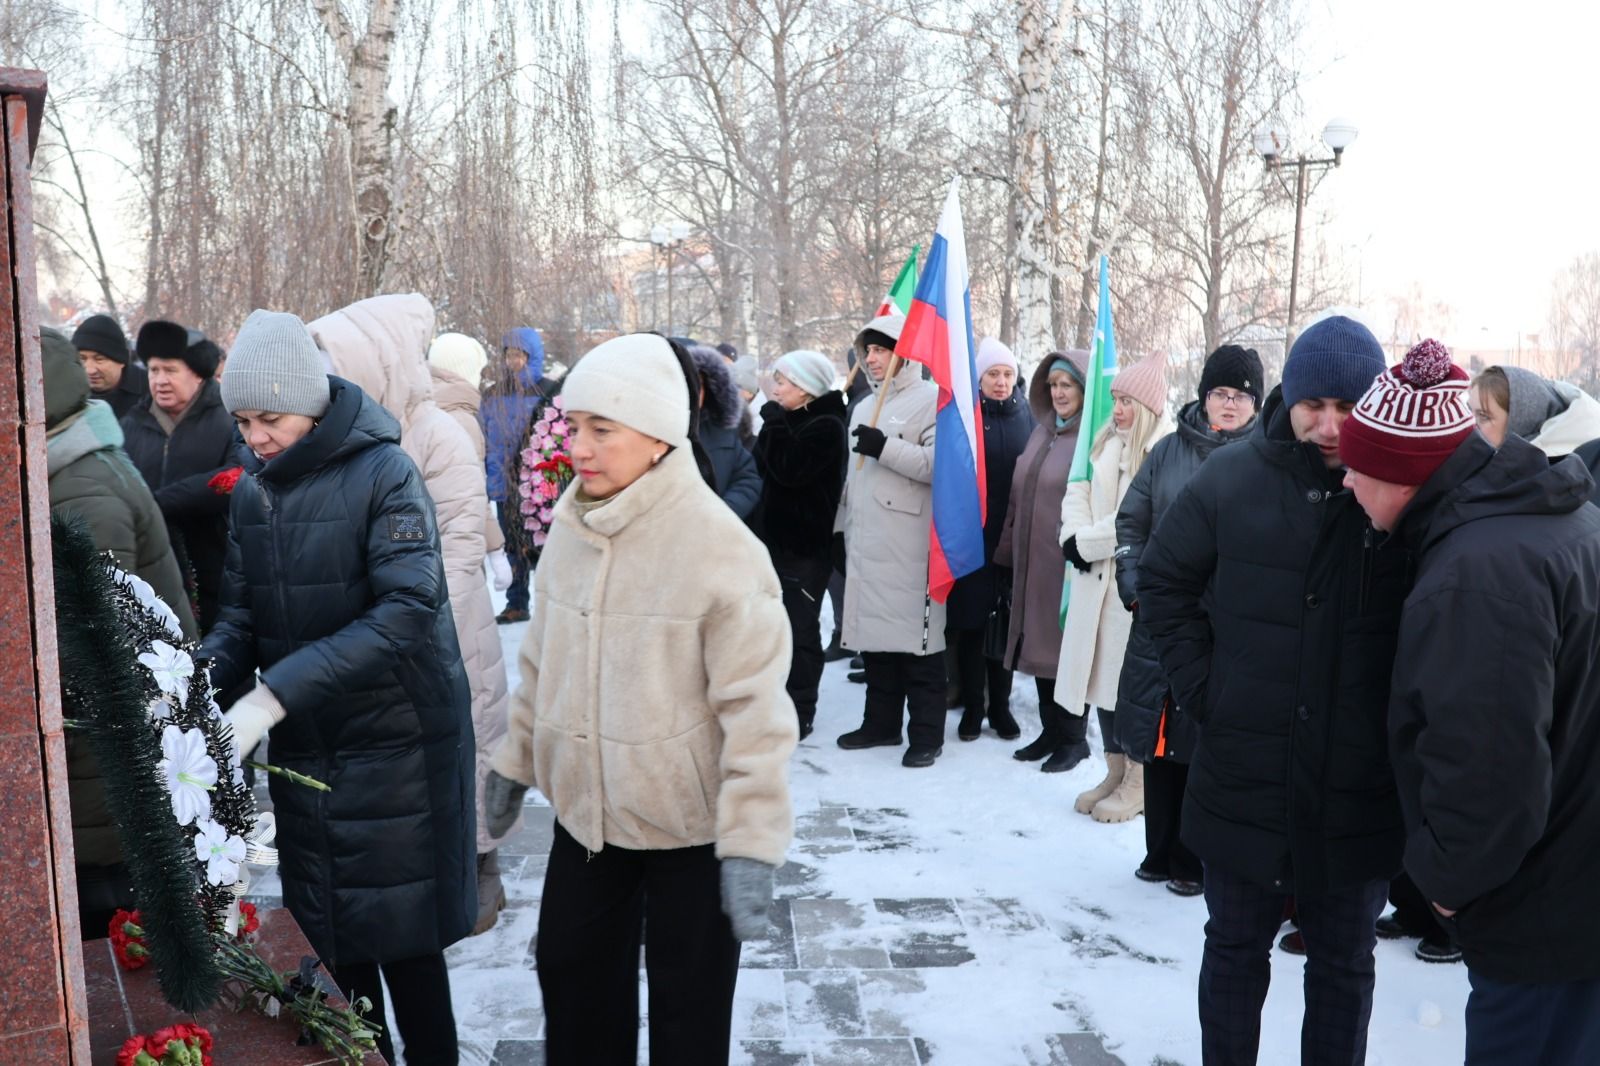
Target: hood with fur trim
723 405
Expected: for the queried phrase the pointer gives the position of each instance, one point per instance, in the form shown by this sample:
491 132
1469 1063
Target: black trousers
1165 853
592 915
1108 729
1511 1024
1237 967
901 685
981 677
804 582
836 597
420 989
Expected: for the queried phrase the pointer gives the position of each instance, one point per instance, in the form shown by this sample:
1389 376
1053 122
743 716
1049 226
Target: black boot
835 650
1072 745
1005 726
1048 741
807 720
971 724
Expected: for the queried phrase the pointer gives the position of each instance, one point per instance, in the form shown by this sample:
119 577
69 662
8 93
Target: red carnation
127 940
249 921
223 481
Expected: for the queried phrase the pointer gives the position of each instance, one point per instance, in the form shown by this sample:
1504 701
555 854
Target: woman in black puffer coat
801 454
724 422
1007 424
1153 731
334 590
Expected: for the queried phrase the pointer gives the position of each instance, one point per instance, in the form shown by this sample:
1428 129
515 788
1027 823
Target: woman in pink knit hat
1097 625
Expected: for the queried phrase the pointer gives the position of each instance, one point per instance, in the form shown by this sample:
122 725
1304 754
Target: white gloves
256 712
500 567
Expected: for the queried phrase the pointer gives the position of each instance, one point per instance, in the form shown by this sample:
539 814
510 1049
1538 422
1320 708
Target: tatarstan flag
898 300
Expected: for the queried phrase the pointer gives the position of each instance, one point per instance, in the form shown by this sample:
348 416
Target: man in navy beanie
1275 613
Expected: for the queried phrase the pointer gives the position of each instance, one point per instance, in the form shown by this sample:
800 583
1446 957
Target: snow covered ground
962 915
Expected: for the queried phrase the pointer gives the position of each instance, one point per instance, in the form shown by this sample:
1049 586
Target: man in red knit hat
1495 714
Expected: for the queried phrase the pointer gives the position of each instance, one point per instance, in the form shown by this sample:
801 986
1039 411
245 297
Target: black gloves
1070 550
838 552
869 440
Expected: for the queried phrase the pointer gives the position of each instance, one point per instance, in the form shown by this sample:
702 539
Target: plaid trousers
1237 967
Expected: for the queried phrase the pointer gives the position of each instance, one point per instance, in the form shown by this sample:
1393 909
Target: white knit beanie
274 366
811 372
992 353
459 354
635 380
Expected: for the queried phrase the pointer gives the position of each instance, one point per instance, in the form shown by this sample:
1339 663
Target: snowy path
962 915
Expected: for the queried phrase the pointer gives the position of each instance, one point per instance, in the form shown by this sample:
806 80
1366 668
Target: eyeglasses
1229 398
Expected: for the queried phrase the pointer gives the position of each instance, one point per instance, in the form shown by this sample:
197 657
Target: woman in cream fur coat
1097 626
652 714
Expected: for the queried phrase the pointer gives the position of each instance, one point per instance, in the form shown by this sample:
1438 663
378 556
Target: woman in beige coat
1096 635
652 714
380 344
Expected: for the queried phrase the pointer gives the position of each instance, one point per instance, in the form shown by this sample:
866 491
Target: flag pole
877 408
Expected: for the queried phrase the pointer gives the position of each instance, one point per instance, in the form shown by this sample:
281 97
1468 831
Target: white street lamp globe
1339 134
658 235
1271 138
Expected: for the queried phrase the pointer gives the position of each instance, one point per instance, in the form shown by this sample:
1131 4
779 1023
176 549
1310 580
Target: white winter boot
1115 772
1128 799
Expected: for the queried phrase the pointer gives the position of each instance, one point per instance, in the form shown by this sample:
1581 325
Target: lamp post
1270 141
669 238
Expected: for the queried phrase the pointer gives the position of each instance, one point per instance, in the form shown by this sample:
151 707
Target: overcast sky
1476 170
1477 167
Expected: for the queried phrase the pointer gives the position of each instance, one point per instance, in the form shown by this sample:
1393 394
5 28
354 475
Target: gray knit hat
275 366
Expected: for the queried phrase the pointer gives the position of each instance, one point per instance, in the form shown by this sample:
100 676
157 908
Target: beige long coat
885 514
458 398
1096 635
380 344
651 709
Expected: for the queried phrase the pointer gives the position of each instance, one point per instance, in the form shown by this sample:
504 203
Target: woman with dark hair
652 714
335 591
1151 730
985 683
722 414
1030 546
800 455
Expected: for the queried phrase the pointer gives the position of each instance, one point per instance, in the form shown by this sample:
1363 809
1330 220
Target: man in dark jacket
103 348
182 440
92 483
1149 728
1275 615
1495 715
508 409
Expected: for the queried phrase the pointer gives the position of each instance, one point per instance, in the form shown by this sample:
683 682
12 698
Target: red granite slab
122 1003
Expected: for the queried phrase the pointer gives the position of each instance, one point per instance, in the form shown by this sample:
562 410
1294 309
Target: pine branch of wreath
105 689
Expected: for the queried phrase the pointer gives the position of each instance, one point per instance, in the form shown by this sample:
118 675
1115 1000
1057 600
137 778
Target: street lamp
669 237
1271 142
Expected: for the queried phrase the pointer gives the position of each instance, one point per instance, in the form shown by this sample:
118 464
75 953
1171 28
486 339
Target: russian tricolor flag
938 334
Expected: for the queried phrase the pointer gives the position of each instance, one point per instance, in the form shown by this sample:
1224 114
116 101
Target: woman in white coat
381 344
1096 634
652 714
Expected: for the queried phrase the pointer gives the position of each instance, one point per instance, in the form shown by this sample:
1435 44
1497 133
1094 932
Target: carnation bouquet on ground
185 819
546 470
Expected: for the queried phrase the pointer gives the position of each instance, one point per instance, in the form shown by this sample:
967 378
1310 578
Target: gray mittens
746 896
502 801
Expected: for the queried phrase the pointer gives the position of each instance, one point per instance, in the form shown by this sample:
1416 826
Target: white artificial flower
150 601
189 772
159 709
171 667
221 853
